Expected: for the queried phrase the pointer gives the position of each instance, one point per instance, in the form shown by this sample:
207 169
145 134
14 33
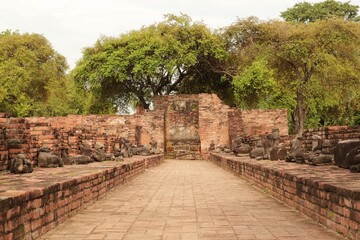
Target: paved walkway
188 200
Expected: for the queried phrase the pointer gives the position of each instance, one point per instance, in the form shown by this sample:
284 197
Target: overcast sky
71 25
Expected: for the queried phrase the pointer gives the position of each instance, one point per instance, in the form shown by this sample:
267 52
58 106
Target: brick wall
4 151
332 133
186 124
14 138
236 125
213 121
73 130
327 194
259 122
182 127
30 211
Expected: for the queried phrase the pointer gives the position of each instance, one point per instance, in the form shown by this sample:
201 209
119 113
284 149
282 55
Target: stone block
47 159
343 148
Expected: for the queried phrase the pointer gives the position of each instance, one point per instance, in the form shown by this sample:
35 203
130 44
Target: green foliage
306 12
309 64
155 60
315 65
32 76
255 84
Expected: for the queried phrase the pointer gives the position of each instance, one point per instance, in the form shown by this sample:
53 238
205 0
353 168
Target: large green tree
32 76
315 64
159 59
310 12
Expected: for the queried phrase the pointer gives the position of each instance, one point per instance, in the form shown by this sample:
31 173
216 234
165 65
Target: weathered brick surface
213 121
333 134
182 138
182 125
328 194
31 205
258 122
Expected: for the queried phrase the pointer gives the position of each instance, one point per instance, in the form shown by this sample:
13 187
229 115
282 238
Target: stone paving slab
185 200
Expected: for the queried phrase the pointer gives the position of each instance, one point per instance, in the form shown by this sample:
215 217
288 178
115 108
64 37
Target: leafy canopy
306 12
155 60
315 65
254 84
32 76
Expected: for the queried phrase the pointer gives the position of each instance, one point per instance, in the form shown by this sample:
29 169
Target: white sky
71 25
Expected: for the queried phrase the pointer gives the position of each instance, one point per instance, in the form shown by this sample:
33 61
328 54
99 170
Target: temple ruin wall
182 125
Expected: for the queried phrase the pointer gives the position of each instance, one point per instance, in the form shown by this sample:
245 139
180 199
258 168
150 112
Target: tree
155 60
248 67
306 12
318 62
32 76
254 84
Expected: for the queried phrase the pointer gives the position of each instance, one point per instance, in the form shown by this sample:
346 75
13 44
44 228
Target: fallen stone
242 149
119 159
141 150
212 146
20 164
95 154
320 159
257 152
81 159
278 153
343 148
227 150
109 157
49 160
99 145
355 168
353 157
117 152
65 156
316 143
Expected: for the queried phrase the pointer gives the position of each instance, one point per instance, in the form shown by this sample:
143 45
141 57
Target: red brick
9 236
35 203
35 224
9 226
13 212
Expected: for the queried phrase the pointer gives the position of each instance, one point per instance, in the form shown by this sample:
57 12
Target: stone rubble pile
20 163
345 154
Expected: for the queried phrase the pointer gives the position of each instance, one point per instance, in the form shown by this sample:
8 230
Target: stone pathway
188 200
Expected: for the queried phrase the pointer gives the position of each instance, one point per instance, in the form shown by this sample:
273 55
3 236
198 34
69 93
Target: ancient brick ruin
183 127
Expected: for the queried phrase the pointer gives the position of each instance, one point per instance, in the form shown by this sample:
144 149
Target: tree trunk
143 102
300 112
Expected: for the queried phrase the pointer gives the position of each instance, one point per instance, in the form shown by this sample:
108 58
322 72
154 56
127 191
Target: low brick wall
327 194
333 134
32 204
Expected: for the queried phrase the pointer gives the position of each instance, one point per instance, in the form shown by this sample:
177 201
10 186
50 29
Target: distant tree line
309 63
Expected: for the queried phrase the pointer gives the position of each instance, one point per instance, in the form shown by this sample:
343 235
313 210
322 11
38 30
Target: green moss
194 106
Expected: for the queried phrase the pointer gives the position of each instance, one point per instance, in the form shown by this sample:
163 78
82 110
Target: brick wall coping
32 204
328 194
328 177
